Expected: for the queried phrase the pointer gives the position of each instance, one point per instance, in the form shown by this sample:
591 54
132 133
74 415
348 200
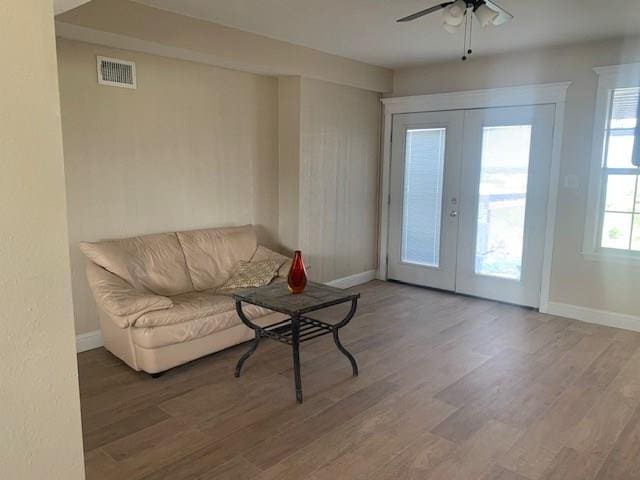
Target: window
621 211
613 222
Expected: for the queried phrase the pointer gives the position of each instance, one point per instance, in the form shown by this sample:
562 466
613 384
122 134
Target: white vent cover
116 73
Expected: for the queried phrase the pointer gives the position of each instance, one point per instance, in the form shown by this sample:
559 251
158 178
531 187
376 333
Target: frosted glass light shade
450 28
485 15
457 9
453 21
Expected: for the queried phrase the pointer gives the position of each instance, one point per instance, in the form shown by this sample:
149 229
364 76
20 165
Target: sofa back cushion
214 253
152 263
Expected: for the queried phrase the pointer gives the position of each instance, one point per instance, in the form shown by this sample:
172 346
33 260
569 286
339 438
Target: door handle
453 213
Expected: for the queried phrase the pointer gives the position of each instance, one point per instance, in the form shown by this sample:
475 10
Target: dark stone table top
277 297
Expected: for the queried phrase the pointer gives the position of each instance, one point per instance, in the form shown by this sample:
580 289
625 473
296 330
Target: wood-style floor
450 388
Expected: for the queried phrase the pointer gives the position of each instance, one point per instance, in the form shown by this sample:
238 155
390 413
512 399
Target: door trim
547 93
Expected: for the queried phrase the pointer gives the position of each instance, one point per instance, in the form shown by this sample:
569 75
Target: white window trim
609 78
547 93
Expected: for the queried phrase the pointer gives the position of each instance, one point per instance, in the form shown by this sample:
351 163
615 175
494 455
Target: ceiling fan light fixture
450 28
485 15
453 21
456 13
457 9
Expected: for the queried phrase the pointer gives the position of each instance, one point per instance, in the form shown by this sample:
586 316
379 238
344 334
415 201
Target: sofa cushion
187 307
152 263
213 254
163 335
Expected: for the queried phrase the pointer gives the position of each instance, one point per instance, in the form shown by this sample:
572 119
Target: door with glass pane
423 222
468 200
504 191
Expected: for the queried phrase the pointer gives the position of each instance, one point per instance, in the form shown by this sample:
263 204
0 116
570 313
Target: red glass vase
297 278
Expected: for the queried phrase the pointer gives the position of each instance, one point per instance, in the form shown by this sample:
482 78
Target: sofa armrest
124 303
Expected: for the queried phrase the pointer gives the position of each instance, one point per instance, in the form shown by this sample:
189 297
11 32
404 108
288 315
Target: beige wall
575 280
40 433
198 146
140 26
150 160
340 143
289 91
194 146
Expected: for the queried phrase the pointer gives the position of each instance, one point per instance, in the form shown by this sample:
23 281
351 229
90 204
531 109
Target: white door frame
547 93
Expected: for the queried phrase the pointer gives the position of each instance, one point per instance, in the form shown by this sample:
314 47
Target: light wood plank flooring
450 388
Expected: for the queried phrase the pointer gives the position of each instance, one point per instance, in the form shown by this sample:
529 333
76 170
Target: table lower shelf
310 328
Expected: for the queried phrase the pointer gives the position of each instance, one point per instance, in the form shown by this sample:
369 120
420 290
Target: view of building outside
503 200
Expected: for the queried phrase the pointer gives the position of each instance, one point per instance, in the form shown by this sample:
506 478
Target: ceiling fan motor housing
475 4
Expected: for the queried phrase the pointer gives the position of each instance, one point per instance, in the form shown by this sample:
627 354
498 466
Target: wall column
41 432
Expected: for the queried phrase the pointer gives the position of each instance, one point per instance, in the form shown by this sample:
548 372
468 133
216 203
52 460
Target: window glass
621 208
422 206
620 149
621 191
616 230
503 200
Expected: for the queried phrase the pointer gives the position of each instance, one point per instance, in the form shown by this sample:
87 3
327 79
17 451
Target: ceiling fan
457 12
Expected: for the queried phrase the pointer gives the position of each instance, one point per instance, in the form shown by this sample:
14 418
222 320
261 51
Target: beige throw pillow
263 253
252 274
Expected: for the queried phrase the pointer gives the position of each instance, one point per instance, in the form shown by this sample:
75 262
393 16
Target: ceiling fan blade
422 13
503 15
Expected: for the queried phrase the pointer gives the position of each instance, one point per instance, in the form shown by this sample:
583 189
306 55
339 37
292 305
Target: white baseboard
353 280
591 315
89 341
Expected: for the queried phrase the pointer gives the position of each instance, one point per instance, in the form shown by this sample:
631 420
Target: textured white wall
40 436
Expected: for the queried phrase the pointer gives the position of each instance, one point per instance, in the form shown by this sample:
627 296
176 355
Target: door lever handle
453 213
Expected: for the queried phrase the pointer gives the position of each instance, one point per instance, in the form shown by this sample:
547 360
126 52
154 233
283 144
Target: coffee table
299 327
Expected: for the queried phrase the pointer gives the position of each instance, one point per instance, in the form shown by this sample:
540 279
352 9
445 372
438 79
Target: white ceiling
365 30
60 6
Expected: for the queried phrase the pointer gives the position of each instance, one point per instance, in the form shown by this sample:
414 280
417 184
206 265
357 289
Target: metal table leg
336 338
249 352
354 365
295 341
256 341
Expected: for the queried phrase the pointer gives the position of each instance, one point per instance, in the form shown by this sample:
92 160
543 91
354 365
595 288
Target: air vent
116 73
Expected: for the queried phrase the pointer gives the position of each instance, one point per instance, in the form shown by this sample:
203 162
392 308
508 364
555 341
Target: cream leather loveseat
158 295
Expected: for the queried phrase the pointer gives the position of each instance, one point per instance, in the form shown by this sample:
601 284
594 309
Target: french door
468 200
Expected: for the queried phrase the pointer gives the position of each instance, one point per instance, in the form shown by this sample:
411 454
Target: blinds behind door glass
623 129
422 205
624 107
